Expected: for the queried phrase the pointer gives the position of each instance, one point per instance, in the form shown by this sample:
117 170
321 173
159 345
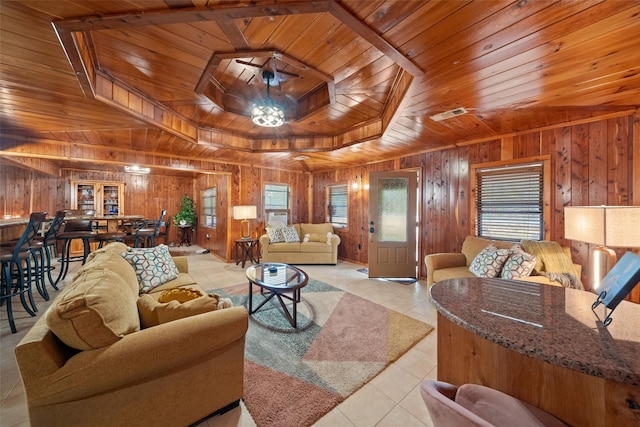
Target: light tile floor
391 399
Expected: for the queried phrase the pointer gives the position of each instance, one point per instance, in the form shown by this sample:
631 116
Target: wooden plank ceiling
169 84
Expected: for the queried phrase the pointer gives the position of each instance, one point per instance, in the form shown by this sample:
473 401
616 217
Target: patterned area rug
294 377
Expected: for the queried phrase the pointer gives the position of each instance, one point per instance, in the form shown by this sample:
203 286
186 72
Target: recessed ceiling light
301 158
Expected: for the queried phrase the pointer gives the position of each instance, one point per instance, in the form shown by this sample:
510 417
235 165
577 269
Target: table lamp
605 226
245 213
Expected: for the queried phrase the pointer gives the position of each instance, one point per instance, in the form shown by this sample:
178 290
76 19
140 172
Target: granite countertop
550 323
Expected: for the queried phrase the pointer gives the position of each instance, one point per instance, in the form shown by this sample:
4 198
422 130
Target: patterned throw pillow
290 235
489 262
275 234
153 266
519 264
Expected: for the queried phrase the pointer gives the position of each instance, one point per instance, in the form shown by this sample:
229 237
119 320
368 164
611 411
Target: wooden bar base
576 398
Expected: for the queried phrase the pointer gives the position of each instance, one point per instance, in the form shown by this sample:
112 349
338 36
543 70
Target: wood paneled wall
592 164
244 185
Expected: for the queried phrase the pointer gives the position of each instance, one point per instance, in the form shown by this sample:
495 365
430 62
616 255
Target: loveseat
300 244
553 265
88 361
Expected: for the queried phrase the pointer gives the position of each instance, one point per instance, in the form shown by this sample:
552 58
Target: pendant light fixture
267 114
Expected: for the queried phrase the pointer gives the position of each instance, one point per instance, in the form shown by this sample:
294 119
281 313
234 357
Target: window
209 198
337 208
276 203
509 201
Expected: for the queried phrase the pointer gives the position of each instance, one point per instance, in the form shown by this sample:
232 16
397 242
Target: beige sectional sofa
88 361
550 258
317 244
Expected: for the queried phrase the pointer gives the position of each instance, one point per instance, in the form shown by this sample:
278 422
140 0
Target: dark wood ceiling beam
165 17
397 100
73 55
233 34
364 31
36 163
115 93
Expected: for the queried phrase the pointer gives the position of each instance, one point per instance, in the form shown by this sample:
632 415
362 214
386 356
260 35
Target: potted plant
186 215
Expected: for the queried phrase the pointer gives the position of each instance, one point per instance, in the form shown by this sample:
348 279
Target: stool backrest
33 227
78 225
159 223
54 228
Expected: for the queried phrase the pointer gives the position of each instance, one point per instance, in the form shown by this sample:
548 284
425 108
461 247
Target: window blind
509 202
337 209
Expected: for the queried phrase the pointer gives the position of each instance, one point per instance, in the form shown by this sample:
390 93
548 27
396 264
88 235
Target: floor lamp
245 213
604 226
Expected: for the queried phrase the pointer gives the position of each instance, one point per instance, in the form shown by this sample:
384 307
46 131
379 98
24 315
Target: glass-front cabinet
105 198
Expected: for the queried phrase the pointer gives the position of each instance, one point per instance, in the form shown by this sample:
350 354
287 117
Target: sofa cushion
95 310
153 312
153 266
284 247
290 234
489 262
315 247
320 229
518 264
451 273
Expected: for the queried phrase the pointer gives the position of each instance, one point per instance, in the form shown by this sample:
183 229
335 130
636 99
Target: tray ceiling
169 84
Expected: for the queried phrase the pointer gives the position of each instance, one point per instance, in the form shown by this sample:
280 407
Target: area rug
294 377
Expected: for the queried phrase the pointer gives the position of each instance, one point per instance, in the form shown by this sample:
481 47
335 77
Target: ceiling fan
277 75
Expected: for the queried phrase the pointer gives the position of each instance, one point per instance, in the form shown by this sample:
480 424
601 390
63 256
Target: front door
392 224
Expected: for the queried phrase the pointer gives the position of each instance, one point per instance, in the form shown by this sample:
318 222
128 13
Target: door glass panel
393 195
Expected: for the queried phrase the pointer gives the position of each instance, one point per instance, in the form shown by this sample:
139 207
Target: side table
185 234
247 250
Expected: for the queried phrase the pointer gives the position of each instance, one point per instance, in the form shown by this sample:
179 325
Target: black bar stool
17 273
47 245
147 235
74 229
116 236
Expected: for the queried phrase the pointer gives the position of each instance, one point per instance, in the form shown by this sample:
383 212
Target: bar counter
12 228
543 344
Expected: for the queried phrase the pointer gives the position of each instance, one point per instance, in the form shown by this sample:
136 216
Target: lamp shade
614 226
245 212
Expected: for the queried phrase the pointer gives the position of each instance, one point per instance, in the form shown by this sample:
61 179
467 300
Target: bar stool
116 236
74 229
48 243
16 263
146 235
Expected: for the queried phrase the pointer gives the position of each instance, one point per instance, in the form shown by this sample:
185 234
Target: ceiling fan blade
286 73
251 64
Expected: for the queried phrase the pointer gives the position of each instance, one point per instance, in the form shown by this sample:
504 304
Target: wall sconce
358 183
245 213
615 226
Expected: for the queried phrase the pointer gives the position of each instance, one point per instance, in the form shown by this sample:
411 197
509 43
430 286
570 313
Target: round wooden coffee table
277 280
